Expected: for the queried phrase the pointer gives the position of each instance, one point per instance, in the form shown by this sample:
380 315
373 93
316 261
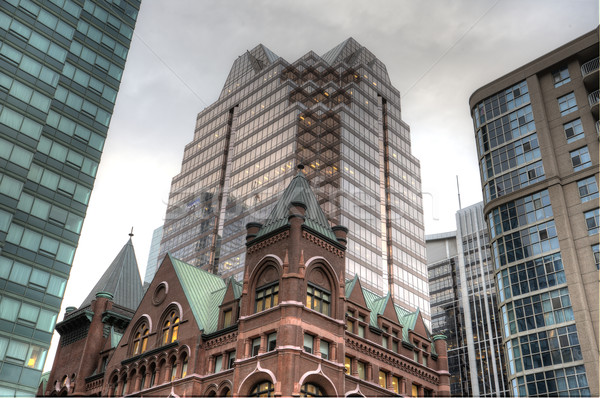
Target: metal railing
593 98
590 67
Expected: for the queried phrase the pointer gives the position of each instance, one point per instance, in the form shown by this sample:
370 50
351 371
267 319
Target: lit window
382 379
588 189
561 76
348 365
266 297
308 343
184 366
567 104
324 349
271 341
592 221
596 251
415 391
580 159
170 328
318 299
396 384
310 390
264 389
573 130
140 340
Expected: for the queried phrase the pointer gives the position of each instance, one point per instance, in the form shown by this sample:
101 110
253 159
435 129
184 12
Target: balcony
589 71
593 99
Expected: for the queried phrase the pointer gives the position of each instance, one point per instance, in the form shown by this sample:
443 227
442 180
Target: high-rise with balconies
61 63
339 115
537 139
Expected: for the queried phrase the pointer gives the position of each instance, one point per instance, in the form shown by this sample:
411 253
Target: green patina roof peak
298 192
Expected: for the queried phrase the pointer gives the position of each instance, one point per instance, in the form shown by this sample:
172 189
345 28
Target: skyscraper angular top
254 60
121 279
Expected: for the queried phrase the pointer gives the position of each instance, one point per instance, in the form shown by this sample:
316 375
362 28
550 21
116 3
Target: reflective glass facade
539 173
152 264
337 114
464 302
61 63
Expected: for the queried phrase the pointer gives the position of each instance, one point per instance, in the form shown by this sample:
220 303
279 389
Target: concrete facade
537 136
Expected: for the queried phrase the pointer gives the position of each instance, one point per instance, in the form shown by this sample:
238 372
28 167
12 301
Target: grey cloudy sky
437 53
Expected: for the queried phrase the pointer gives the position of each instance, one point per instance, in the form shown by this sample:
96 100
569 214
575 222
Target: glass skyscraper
537 139
464 306
61 63
339 115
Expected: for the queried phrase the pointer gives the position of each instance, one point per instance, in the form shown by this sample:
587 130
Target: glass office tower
61 63
464 306
537 139
339 115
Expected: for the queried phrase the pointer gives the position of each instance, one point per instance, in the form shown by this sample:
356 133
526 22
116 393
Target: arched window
263 389
142 377
170 328
266 297
184 365
152 375
173 368
140 339
226 392
124 389
318 299
310 390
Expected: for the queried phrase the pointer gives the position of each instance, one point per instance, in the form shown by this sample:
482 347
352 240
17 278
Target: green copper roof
350 283
204 292
298 191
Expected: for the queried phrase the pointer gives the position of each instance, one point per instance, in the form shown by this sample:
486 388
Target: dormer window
227 318
266 297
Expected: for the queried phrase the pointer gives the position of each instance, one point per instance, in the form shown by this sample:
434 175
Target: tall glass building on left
61 63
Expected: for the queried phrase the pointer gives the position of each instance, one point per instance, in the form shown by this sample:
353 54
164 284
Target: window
263 389
170 328
561 76
567 104
152 375
266 297
396 384
361 367
580 159
425 358
173 369
310 390
140 339
218 363
318 299
231 360
416 356
324 349
348 365
308 343
573 130
384 341
596 251
592 221
184 366
271 341
415 391
361 329
382 379
227 318
143 378
255 346
588 189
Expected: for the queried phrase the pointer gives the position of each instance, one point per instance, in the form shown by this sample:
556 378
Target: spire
298 191
121 279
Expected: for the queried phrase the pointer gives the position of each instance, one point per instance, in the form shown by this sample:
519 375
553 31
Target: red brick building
292 327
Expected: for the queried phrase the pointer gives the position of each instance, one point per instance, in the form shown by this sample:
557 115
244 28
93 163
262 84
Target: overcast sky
437 54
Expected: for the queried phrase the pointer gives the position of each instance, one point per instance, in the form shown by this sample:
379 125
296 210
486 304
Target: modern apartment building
464 306
537 139
61 63
339 115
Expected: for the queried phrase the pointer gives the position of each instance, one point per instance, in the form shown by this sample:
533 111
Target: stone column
137 382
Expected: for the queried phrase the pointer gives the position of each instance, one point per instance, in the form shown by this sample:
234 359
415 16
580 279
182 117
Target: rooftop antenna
131 233
458 190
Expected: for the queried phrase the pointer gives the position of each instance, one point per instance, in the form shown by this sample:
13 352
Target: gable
355 296
389 312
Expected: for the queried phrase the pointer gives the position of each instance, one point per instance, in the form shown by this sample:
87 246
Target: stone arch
267 273
167 316
224 387
257 375
355 393
317 377
211 390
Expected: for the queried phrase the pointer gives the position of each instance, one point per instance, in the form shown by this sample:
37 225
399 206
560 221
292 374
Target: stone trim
320 242
268 242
